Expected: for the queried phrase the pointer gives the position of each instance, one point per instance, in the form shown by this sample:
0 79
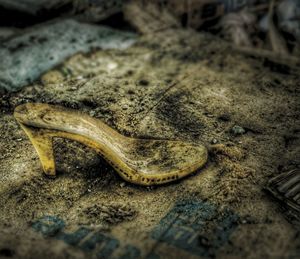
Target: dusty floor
176 85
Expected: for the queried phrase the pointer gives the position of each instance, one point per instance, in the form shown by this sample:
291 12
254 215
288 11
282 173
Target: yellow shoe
140 161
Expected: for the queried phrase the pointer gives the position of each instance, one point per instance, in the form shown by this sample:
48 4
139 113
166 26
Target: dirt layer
175 85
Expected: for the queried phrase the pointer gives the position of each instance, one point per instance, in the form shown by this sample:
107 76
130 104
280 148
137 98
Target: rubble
238 130
26 57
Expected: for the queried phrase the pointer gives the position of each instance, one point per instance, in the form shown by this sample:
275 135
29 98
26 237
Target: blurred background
272 25
267 29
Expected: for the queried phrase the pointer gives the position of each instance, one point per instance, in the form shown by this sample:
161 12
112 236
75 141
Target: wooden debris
286 188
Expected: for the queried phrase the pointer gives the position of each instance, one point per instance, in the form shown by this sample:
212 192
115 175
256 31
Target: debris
286 189
149 18
52 77
221 151
238 130
195 13
288 12
26 57
92 113
214 141
285 60
111 214
277 42
233 6
29 12
238 26
33 7
96 10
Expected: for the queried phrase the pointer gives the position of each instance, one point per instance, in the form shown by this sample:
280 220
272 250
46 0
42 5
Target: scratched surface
176 85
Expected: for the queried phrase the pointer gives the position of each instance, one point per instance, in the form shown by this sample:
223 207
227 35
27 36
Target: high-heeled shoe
140 161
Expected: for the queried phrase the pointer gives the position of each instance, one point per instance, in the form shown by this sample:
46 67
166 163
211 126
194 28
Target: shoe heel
42 142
